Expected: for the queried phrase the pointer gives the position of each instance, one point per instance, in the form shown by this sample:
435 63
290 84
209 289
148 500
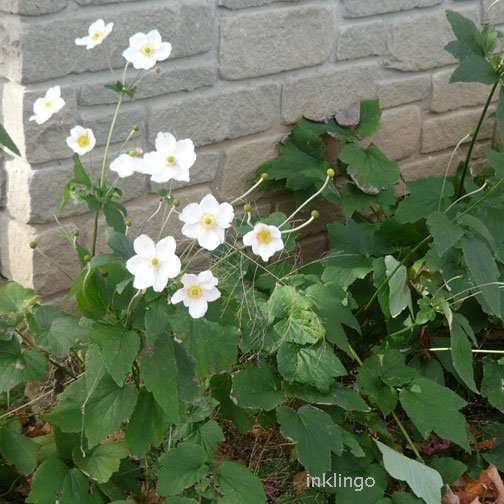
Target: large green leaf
434 408
370 167
470 40
492 385
47 481
474 68
18 449
315 434
399 292
208 436
102 461
119 348
76 489
15 298
238 484
181 468
301 326
445 232
461 338
257 388
315 365
147 425
425 482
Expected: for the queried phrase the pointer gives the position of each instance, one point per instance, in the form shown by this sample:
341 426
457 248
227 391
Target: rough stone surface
446 96
242 4
418 43
323 94
32 7
496 13
405 89
218 115
442 132
361 40
357 8
269 42
404 122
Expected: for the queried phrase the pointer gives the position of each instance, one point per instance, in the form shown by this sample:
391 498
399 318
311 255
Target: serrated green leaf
467 33
15 298
370 117
301 327
76 489
461 337
208 436
492 385
119 348
47 481
102 461
445 232
238 484
17 449
120 244
474 68
422 404
399 292
449 468
314 365
257 388
181 468
425 482
370 166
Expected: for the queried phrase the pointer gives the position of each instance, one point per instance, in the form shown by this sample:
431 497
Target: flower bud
132 153
315 214
264 176
331 173
175 202
76 232
136 128
127 221
86 258
33 244
247 207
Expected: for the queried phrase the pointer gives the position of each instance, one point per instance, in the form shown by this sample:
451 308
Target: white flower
125 165
145 50
45 107
98 32
265 240
197 292
154 263
81 140
172 159
207 221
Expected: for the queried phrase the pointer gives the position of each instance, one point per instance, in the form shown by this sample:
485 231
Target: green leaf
17 449
467 33
285 298
15 298
492 385
370 166
425 482
315 434
474 68
114 216
67 413
495 158
301 327
370 117
449 468
108 406
257 388
157 321
181 468
314 365
120 244
75 489
238 484
7 141
399 292
80 175
147 425
208 436
499 115
47 481
445 232
102 462
481 263
461 335
119 348
434 408
423 199
352 237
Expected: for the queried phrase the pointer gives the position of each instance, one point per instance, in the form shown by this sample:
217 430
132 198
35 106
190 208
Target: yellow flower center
208 221
171 161
195 292
148 50
97 35
264 237
48 104
83 141
154 262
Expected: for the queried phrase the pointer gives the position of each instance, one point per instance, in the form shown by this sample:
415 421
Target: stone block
362 40
494 14
320 95
32 7
263 43
358 8
242 4
402 90
219 114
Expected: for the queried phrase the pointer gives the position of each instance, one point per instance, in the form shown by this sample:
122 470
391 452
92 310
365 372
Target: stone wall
241 71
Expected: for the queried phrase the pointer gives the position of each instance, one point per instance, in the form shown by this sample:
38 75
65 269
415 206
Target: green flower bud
331 173
33 244
264 176
127 221
315 214
247 207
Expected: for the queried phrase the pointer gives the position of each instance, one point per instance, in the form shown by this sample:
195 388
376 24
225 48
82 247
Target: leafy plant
377 361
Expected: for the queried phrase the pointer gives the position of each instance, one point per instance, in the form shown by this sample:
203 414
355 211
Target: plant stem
460 190
475 350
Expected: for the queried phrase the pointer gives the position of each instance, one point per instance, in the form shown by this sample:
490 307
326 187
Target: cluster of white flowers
154 264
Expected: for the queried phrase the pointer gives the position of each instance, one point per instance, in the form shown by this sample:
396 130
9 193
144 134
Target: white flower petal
166 248
154 37
165 142
144 246
178 296
189 279
124 165
249 238
191 230
209 204
144 277
207 280
191 214
198 308
209 240
161 277
212 294
135 262
225 215
164 51
172 266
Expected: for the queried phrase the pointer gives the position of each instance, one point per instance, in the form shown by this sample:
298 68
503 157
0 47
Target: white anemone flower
207 221
197 292
44 108
126 165
146 49
171 160
154 263
97 33
81 140
265 240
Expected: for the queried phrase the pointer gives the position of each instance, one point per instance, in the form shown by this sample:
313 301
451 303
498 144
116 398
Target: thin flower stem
165 222
109 141
311 198
475 350
460 190
468 195
252 189
301 226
